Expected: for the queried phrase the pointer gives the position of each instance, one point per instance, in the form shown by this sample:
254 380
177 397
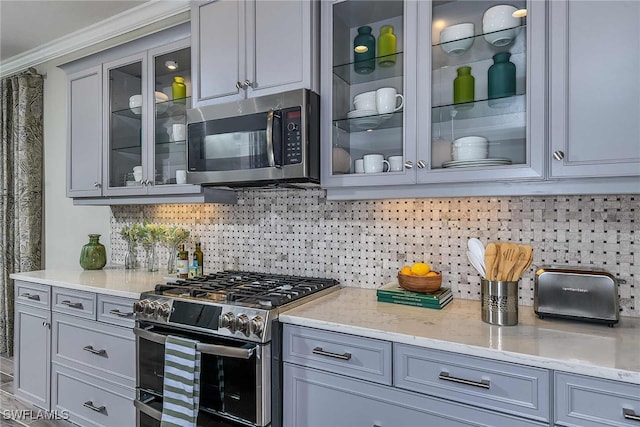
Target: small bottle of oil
182 263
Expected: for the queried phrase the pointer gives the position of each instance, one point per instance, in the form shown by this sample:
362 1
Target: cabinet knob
558 155
96 185
421 164
239 85
248 84
408 164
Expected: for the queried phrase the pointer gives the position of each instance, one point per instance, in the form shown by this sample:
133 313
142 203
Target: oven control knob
138 306
243 324
151 309
164 310
256 325
228 320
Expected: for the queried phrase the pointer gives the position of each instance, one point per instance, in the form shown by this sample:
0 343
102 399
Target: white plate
361 113
472 163
366 123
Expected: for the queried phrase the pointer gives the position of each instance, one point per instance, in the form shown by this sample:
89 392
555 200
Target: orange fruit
431 274
406 270
420 269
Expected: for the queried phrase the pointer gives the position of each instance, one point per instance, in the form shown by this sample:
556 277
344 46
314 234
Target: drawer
98 349
116 310
321 399
588 401
77 303
500 386
358 357
34 294
91 401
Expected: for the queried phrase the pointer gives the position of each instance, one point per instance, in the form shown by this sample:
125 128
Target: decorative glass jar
364 51
93 255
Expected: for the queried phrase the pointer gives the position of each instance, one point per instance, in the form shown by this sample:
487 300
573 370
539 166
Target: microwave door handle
224 351
270 153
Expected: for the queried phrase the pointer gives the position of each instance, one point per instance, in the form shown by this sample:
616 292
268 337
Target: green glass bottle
464 86
387 46
364 51
93 255
179 90
501 78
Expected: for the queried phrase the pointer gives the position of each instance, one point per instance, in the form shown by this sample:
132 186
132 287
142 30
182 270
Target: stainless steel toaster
576 293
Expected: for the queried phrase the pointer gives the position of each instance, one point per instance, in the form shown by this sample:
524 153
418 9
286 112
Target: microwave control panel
292 130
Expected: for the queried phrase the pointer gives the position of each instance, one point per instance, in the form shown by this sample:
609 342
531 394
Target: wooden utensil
508 259
491 260
525 256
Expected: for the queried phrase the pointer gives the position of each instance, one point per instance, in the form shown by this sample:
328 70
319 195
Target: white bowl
161 101
471 141
135 103
462 154
457 39
499 25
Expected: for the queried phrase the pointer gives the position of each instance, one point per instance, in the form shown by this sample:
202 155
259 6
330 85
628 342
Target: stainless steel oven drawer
76 303
34 294
500 386
95 348
358 357
91 401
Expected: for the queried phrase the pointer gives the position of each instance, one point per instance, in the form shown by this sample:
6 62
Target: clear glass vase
171 262
152 257
130 256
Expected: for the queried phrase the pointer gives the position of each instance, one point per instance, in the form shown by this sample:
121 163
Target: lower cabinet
336 379
75 354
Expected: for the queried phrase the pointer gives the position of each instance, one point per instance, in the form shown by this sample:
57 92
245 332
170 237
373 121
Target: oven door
235 378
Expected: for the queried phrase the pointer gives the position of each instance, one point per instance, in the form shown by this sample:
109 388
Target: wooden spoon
508 259
525 256
490 260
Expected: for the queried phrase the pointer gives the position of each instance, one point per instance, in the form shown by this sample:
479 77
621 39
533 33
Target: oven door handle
271 157
153 413
213 349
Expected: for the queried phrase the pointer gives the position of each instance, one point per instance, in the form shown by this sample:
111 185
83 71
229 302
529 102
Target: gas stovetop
231 303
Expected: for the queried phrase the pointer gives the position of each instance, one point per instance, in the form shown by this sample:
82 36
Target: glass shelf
370 123
173 108
347 72
480 108
480 50
162 147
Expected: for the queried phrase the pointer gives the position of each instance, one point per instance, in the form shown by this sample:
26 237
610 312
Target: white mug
359 166
137 173
178 133
365 101
181 176
386 100
374 163
395 164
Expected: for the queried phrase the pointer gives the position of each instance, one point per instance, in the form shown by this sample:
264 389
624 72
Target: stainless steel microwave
273 139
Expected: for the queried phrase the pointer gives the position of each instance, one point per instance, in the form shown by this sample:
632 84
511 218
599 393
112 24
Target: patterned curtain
21 155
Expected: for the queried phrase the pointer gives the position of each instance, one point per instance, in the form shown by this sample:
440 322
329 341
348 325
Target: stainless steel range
233 316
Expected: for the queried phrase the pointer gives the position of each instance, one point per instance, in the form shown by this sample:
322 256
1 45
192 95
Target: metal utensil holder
499 302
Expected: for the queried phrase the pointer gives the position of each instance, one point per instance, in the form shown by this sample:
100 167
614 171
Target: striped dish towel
181 391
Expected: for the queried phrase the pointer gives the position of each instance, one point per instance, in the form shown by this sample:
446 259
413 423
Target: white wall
65 226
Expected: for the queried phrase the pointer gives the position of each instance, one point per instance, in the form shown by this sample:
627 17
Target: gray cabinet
594 402
595 95
338 379
252 48
32 343
84 124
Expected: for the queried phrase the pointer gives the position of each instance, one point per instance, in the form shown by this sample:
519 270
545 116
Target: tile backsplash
365 243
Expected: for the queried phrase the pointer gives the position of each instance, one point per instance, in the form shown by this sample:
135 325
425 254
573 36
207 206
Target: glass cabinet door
480 105
365 108
171 80
125 125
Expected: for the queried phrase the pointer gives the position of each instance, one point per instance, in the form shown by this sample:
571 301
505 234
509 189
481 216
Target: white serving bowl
135 103
161 101
457 39
499 25
471 142
470 148
463 154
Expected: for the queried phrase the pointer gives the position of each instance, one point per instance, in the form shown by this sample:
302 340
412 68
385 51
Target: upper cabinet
253 48
459 74
595 95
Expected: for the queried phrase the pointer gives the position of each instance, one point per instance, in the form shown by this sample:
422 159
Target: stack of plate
473 163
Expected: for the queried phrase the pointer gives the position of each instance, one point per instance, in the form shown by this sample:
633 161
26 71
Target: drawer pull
119 313
90 349
70 304
91 406
629 414
482 384
321 352
33 297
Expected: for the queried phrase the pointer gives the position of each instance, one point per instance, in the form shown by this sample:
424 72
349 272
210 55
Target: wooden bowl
421 284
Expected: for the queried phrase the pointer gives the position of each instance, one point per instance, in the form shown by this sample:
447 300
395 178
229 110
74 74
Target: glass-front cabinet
147 96
457 95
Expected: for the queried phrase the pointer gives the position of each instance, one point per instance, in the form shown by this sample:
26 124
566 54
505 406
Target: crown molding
129 20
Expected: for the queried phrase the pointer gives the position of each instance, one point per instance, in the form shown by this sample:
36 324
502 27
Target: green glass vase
501 79
464 86
364 48
93 255
179 90
387 44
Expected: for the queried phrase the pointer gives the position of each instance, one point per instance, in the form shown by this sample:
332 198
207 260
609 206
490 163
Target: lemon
406 270
431 274
420 268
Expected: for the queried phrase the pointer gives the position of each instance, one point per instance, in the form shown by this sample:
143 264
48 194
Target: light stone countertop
115 281
578 347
